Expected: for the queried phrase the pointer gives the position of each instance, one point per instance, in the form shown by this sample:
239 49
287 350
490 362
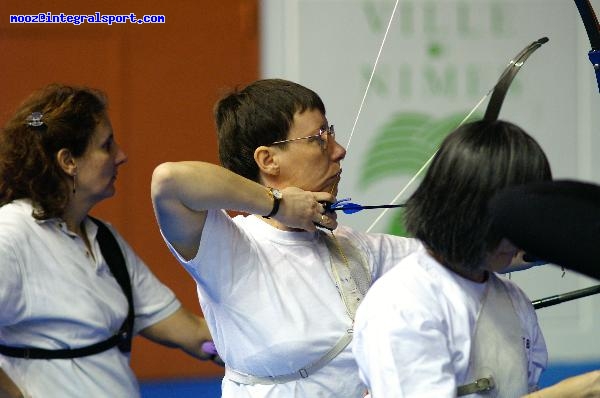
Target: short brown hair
259 114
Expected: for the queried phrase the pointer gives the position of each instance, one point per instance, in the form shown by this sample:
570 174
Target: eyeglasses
322 136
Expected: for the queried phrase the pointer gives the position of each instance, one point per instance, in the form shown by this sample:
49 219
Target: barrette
35 119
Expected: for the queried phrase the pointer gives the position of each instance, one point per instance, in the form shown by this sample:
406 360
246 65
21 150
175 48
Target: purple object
209 347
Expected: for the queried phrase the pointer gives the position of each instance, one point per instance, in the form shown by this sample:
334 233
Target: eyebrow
111 137
324 125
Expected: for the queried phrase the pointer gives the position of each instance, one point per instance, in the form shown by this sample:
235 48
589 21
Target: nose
121 156
339 152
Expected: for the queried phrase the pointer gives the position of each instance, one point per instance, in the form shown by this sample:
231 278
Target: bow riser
592 27
594 56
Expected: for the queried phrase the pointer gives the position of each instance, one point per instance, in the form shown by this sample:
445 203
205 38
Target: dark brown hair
259 114
28 164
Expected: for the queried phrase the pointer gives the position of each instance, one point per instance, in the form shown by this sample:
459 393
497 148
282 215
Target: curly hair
28 163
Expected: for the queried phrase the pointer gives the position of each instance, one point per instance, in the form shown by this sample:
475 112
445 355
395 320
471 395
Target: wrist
276 196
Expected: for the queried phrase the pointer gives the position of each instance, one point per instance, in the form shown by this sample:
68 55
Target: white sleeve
153 301
385 251
389 250
12 290
392 250
401 345
225 254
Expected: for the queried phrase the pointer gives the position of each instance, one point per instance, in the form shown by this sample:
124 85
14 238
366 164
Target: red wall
162 81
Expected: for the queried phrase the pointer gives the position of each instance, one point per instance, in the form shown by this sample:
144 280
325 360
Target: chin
109 193
333 189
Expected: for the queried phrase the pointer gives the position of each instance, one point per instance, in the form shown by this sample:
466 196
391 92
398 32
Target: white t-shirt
413 330
272 306
56 295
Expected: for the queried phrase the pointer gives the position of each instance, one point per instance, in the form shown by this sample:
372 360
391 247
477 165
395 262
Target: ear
66 161
267 160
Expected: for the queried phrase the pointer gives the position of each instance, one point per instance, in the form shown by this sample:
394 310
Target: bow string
498 93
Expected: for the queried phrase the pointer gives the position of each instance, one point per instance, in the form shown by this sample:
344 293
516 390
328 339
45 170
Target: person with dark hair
279 295
72 291
558 222
442 323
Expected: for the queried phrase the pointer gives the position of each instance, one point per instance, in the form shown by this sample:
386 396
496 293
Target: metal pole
561 298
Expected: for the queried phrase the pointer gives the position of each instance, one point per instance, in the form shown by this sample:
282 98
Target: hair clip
35 119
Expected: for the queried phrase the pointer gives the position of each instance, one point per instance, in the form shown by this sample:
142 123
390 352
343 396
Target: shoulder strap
244 378
116 262
352 279
349 271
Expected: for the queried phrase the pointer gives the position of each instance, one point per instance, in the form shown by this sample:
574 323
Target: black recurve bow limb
498 93
592 27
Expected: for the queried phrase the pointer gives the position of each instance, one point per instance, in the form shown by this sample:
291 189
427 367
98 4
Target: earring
74 176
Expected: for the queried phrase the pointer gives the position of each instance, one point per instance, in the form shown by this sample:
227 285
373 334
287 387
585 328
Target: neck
478 275
278 225
74 215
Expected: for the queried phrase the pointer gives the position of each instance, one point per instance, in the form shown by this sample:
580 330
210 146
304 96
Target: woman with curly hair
72 291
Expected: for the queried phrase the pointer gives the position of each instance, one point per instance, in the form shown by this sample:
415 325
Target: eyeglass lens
325 133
